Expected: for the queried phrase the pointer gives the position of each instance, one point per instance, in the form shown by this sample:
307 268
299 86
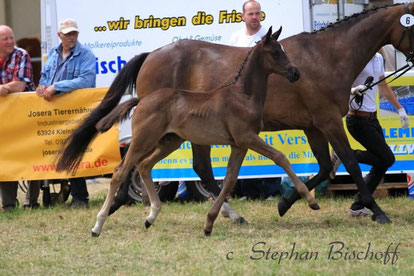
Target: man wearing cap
69 66
16 75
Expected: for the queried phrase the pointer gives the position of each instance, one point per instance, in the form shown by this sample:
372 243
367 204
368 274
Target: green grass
58 241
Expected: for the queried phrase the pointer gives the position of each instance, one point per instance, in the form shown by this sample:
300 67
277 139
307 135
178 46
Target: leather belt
363 114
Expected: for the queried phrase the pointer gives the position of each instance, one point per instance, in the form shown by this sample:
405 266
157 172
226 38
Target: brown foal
230 115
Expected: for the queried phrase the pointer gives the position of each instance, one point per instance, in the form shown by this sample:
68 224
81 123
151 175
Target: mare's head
401 31
275 59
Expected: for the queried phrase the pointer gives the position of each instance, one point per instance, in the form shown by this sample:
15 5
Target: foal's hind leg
233 167
168 144
258 145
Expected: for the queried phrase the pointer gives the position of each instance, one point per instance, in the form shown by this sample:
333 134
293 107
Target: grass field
304 242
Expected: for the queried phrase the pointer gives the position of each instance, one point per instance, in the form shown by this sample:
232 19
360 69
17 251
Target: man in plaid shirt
16 75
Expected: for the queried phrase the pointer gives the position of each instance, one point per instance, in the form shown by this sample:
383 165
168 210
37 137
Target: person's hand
41 90
359 90
405 122
46 93
49 92
4 90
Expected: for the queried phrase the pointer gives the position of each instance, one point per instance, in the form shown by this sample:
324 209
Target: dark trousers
78 189
368 132
32 193
8 192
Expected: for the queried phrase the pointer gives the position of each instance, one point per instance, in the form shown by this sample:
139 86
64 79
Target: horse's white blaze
283 49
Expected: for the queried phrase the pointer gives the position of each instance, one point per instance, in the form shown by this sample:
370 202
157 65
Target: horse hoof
241 220
282 207
207 233
147 224
95 234
315 206
381 219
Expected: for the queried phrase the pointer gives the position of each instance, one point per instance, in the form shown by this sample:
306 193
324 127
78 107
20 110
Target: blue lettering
268 139
303 138
398 132
96 66
113 66
393 133
281 138
185 145
403 132
104 69
121 63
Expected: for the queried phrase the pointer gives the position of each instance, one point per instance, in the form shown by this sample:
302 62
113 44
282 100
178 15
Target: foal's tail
76 144
118 114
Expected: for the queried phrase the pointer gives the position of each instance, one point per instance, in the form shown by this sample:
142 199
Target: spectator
253 30
69 66
15 76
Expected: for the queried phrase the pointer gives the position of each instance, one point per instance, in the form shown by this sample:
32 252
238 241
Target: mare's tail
118 114
76 144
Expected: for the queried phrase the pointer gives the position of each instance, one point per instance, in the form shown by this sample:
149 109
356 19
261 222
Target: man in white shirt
253 31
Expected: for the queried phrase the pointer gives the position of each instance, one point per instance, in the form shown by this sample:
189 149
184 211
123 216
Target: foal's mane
355 15
240 70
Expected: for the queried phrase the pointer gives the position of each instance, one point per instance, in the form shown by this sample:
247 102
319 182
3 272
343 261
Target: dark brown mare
230 115
329 61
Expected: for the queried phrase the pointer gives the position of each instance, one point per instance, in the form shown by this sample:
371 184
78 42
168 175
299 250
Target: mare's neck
352 43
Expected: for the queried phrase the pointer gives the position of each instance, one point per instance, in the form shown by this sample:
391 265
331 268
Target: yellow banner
33 130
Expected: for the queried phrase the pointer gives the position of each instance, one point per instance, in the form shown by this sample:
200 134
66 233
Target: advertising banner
33 131
116 31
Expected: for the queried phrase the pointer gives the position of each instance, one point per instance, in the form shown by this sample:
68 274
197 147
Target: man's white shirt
241 39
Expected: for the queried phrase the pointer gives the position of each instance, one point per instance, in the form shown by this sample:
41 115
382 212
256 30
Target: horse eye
275 54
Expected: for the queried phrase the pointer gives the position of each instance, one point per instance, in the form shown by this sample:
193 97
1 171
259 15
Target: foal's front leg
258 145
233 167
202 167
118 177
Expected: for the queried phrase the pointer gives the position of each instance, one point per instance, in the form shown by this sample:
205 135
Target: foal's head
275 59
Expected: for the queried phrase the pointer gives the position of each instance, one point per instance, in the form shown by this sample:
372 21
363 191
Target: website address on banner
82 165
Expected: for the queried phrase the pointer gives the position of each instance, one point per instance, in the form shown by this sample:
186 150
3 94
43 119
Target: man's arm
4 90
387 92
16 86
22 73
